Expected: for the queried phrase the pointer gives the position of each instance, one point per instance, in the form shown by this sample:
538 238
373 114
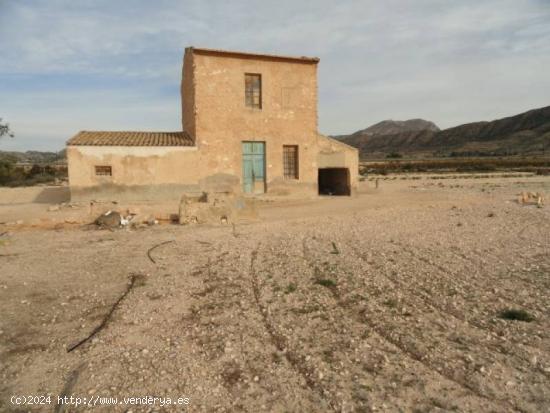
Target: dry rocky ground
389 301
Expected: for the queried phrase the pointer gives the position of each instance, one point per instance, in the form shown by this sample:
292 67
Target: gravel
377 303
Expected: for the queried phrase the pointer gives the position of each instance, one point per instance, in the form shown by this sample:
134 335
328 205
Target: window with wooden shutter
253 90
103 170
290 161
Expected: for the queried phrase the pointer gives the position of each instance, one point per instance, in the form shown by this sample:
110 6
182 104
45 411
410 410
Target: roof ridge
205 50
129 131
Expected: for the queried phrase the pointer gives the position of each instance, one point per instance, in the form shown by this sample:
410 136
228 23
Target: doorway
334 181
253 167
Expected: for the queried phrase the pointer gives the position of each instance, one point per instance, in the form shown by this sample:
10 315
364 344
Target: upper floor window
253 90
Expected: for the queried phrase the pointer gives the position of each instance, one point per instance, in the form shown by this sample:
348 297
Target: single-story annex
249 126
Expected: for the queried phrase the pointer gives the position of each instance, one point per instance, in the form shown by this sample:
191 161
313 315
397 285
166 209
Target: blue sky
70 65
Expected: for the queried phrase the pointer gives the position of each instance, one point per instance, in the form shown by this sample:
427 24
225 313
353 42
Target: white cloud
450 62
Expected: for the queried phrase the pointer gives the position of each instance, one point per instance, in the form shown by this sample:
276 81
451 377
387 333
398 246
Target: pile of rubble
215 208
527 198
201 208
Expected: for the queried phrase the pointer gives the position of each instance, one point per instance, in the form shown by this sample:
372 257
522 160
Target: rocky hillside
34 157
390 127
526 133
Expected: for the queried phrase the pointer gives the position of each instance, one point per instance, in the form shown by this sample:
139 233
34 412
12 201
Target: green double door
253 167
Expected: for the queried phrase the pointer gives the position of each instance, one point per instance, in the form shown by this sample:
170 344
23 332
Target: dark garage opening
334 181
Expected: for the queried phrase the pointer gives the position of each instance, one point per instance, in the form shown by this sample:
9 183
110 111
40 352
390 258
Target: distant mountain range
34 157
526 133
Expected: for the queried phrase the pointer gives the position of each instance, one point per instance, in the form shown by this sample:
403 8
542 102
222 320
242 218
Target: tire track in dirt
442 273
529 282
226 315
382 331
510 350
204 310
397 284
456 278
347 359
470 268
486 311
513 300
280 342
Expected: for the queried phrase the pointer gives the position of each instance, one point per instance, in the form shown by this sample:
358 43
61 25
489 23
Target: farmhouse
249 125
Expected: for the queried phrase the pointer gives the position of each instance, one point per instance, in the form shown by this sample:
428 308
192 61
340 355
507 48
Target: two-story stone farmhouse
249 126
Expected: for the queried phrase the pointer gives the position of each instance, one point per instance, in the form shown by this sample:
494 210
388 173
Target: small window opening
103 170
253 90
290 161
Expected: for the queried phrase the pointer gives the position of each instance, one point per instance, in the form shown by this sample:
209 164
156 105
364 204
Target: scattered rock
110 219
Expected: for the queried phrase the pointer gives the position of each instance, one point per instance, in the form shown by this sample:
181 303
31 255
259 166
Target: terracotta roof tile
105 138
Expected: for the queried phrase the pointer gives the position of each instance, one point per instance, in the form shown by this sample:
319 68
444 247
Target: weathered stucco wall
188 95
215 115
137 172
335 154
132 165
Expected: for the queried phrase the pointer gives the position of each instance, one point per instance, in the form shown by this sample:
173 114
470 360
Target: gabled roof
337 142
128 138
248 55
